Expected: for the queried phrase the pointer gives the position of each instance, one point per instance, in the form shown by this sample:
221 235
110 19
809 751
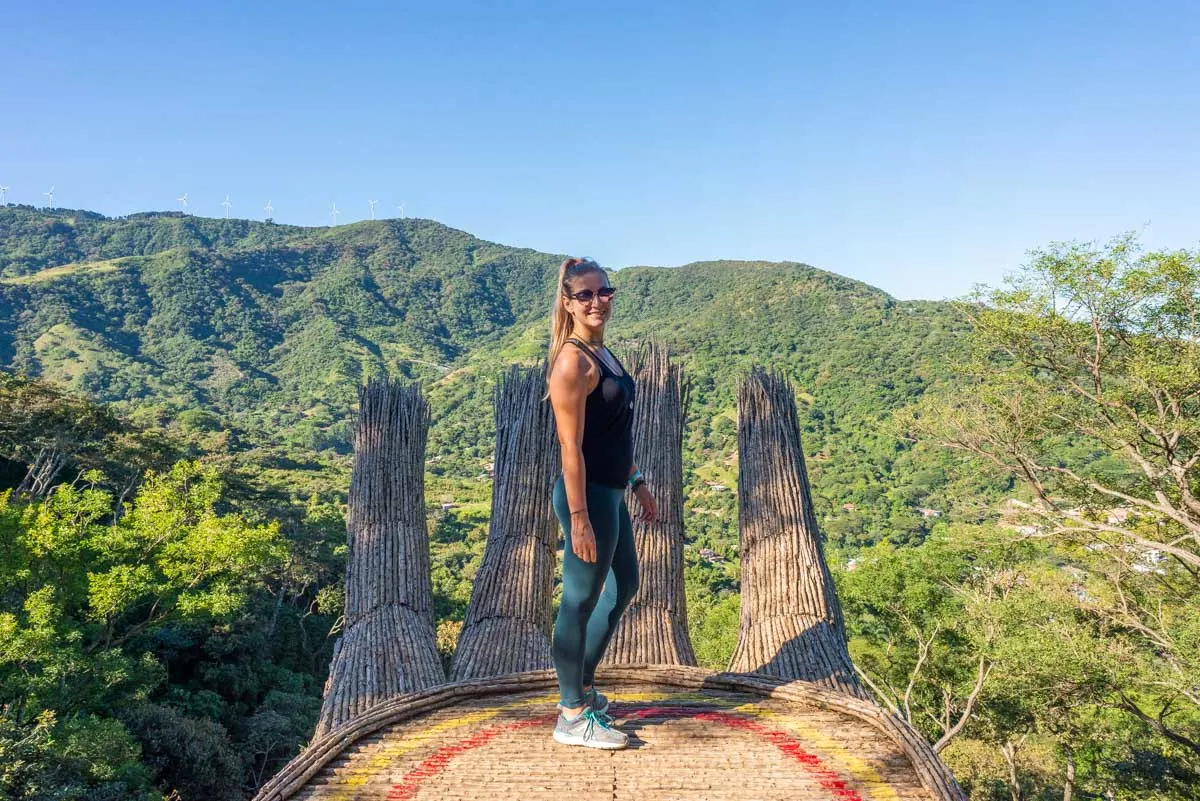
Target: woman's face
596 312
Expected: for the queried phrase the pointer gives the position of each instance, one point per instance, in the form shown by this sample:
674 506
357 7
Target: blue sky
921 147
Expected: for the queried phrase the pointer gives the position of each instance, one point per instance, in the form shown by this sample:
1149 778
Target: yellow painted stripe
359 774
828 747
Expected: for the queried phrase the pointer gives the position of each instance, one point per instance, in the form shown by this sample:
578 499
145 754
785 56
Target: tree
44 427
104 608
922 636
1086 389
48 429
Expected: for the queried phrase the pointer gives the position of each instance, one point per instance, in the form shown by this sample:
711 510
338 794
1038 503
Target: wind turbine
183 200
372 202
401 207
333 213
269 209
3 192
50 195
228 205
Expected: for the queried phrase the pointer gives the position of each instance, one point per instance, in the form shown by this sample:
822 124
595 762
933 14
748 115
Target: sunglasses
587 295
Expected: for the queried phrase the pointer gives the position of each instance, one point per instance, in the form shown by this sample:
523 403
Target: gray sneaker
588 729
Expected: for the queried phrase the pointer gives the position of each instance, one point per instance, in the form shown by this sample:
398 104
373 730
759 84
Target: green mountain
271 328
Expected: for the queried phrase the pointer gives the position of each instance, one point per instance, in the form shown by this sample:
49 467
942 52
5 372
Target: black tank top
608 424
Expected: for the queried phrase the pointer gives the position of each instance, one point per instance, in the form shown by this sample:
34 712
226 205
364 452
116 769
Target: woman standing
592 395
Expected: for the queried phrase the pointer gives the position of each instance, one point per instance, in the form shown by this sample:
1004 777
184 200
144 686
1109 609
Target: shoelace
604 716
593 718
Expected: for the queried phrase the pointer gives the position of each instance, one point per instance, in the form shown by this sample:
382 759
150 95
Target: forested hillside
266 330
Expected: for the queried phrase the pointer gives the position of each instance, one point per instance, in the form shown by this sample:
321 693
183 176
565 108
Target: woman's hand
649 508
583 539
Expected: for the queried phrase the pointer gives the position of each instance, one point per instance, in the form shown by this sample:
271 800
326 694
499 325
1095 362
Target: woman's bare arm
572 378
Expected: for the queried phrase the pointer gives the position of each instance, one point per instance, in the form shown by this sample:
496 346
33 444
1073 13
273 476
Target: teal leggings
594 594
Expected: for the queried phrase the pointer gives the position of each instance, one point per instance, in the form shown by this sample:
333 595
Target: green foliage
713 627
194 420
992 645
271 328
192 755
1086 396
84 758
1090 353
144 652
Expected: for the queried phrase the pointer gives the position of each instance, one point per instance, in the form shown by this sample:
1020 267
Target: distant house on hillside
1147 561
702 511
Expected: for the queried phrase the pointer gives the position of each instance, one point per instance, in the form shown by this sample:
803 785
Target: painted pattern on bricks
431 750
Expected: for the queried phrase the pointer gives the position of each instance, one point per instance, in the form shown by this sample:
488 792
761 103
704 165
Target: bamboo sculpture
654 627
388 647
508 626
791 623
791 626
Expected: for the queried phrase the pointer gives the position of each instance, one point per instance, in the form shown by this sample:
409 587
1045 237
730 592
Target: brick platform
694 735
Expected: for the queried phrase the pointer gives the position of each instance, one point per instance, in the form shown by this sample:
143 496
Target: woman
592 395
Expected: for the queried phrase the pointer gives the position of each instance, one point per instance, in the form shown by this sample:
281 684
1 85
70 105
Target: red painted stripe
439 759
828 779
436 762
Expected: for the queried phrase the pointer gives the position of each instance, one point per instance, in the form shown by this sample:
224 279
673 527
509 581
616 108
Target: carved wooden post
508 625
388 647
654 627
791 622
